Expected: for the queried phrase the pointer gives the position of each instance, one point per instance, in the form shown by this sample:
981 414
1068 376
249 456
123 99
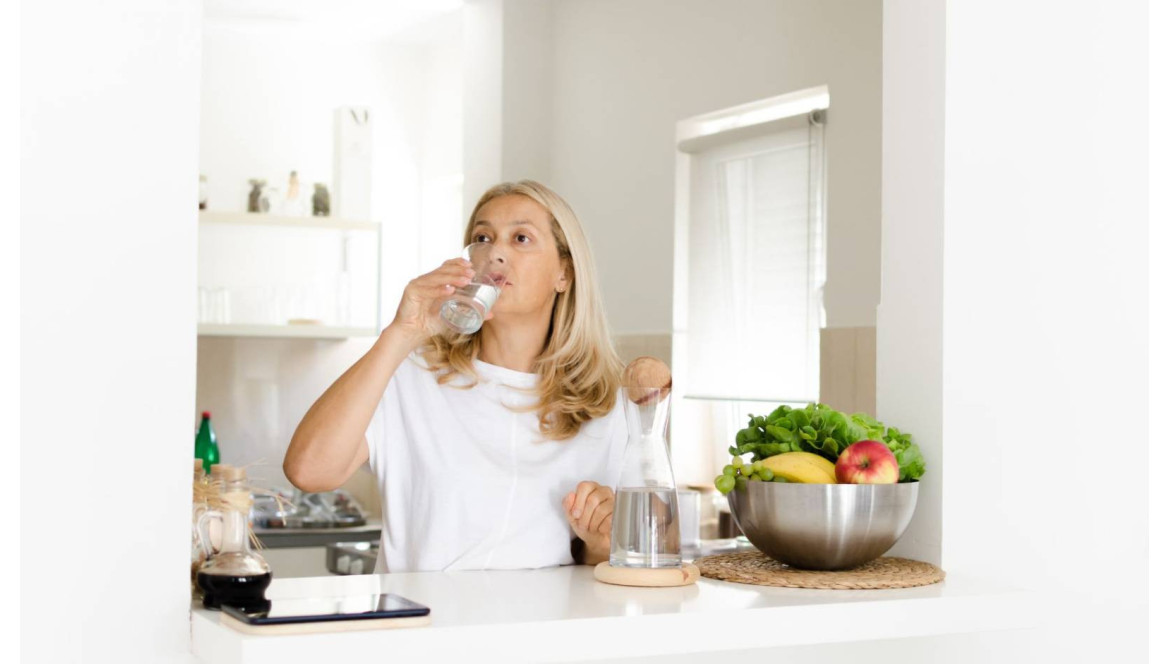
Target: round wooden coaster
660 577
758 569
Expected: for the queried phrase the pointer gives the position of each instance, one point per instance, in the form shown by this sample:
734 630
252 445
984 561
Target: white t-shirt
469 484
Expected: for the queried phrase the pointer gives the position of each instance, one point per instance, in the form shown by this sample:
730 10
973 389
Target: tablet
328 609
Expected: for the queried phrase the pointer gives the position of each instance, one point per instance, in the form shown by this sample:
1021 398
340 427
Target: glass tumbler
465 310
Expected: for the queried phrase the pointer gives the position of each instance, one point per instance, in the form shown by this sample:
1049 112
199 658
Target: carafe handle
202 527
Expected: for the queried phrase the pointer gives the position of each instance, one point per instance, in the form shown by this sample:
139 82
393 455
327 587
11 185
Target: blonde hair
578 367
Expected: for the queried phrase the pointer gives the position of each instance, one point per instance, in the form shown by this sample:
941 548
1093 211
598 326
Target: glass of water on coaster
645 531
465 310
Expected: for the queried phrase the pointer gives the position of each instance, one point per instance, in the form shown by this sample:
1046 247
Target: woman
496 449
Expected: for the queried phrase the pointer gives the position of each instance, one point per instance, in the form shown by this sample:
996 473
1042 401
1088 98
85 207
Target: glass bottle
215 485
215 478
235 574
646 516
198 507
206 444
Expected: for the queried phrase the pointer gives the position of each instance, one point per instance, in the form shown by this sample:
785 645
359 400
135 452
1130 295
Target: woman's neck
513 344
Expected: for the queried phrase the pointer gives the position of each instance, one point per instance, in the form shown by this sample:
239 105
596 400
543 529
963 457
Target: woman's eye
522 238
482 238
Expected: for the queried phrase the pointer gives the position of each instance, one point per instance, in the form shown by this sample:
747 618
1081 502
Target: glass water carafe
646 518
235 574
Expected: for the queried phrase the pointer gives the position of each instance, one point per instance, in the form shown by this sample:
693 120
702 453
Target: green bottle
205 445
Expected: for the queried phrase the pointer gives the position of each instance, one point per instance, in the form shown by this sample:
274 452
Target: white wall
626 71
109 173
10 303
1043 333
441 166
528 88
1056 331
483 88
910 316
508 70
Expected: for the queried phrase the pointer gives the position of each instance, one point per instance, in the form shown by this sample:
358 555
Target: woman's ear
566 278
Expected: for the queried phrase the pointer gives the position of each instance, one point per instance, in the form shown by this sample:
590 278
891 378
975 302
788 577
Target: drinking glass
465 310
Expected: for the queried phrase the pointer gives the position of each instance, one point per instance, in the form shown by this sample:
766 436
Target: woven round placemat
758 569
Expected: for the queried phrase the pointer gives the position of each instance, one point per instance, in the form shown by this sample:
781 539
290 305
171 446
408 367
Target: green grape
779 479
746 470
737 462
757 467
741 483
725 483
729 470
766 474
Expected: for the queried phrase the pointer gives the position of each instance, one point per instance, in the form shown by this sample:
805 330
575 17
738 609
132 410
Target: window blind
756 266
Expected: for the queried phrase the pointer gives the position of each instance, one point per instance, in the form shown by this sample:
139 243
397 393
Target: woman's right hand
418 311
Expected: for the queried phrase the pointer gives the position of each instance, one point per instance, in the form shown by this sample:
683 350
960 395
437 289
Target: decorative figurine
294 187
293 205
320 200
257 201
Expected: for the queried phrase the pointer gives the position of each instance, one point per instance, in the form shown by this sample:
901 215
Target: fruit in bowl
819 445
866 462
801 467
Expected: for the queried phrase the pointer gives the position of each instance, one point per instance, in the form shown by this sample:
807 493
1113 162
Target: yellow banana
802 467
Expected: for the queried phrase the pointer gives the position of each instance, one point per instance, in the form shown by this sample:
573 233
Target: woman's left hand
589 510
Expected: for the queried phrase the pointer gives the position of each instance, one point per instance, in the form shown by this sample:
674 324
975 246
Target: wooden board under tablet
324 626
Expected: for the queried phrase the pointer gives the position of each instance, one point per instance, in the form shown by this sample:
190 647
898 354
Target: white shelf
285 331
259 219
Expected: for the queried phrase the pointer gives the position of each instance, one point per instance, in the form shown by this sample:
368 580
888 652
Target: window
750 267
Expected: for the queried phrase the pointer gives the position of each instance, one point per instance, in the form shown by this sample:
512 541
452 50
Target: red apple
867 462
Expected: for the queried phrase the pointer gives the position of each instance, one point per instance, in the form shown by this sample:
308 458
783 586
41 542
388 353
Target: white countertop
563 614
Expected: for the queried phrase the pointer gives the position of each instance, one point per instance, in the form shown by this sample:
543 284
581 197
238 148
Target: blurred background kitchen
724 157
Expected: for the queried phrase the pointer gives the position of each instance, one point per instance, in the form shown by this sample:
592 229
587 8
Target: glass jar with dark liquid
234 574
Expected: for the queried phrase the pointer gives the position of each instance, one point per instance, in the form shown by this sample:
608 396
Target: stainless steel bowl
823 526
